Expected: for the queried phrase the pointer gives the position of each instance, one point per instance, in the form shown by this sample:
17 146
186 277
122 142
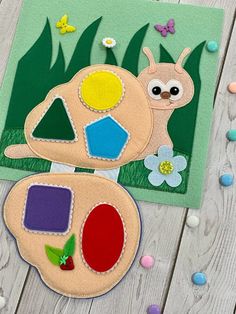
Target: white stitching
71 209
86 142
92 109
124 244
43 114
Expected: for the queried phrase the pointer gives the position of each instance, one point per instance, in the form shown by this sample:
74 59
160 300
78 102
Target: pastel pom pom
199 279
232 87
193 221
147 261
2 302
154 309
231 135
226 179
212 46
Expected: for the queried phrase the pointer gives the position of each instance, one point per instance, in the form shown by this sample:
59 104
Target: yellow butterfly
63 25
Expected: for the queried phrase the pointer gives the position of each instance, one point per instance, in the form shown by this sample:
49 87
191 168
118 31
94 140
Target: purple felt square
48 209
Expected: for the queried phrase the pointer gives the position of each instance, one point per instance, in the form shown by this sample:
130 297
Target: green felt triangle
55 124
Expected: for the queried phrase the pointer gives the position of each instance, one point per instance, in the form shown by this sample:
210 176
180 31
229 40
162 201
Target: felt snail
100 109
168 87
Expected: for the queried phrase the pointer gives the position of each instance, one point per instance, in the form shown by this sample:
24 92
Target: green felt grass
16 136
110 58
131 58
182 134
22 89
132 175
55 124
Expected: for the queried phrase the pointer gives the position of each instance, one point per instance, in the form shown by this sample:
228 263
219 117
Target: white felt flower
165 167
109 42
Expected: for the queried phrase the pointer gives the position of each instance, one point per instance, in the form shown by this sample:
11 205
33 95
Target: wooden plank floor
178 250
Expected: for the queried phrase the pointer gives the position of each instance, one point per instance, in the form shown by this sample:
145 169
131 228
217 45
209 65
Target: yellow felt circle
102 90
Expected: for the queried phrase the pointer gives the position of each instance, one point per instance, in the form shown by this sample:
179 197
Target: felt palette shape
97 96
82 246
103 103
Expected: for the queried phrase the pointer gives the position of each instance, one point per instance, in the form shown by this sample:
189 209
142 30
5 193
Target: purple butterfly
168 28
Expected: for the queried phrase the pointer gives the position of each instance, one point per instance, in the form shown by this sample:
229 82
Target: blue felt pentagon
106 138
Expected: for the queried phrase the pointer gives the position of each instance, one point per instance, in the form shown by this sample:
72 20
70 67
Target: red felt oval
103 238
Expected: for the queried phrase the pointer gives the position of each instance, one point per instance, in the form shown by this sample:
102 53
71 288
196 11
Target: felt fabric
41 59
81 282
166 77
106 138
103 238
183 139
101 91
64 26
133 110
55 124
110 57
132 54
48 209
19 151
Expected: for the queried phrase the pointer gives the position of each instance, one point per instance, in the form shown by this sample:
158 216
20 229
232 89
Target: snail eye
176 89
155 88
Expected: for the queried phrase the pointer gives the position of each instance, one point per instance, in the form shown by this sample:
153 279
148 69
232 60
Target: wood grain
211 248
9 13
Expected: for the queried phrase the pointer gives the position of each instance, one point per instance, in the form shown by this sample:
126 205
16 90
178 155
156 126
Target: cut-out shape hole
103 238
56 124
106 138
48 209
101 90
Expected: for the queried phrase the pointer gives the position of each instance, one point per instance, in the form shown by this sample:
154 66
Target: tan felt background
133 113
88 191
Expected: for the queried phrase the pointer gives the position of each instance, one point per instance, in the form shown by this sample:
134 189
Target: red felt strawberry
62 257
69 264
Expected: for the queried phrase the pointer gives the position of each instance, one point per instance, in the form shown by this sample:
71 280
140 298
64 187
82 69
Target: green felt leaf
183 135
82 54
132 54
165 56
110 58
31 83
69 247
53 254
55 124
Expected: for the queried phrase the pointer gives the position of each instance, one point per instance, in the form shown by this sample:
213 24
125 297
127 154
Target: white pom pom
2 302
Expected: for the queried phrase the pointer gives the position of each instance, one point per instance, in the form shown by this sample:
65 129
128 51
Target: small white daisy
109 42
165 167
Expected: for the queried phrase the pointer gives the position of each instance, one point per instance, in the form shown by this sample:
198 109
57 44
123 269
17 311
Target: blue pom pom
212 46
226 179
199 279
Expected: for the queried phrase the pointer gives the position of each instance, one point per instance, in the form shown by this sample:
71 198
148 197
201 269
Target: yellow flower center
109 41
166 167
102 90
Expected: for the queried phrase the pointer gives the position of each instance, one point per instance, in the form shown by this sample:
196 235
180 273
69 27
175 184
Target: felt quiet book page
119 88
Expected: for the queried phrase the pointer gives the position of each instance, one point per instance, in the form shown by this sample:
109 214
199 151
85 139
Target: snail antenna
178 65
152 63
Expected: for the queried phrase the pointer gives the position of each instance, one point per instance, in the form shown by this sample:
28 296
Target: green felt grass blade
31 81
82 54
57 72
132 54
165 56
55 125
110 58
183 136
